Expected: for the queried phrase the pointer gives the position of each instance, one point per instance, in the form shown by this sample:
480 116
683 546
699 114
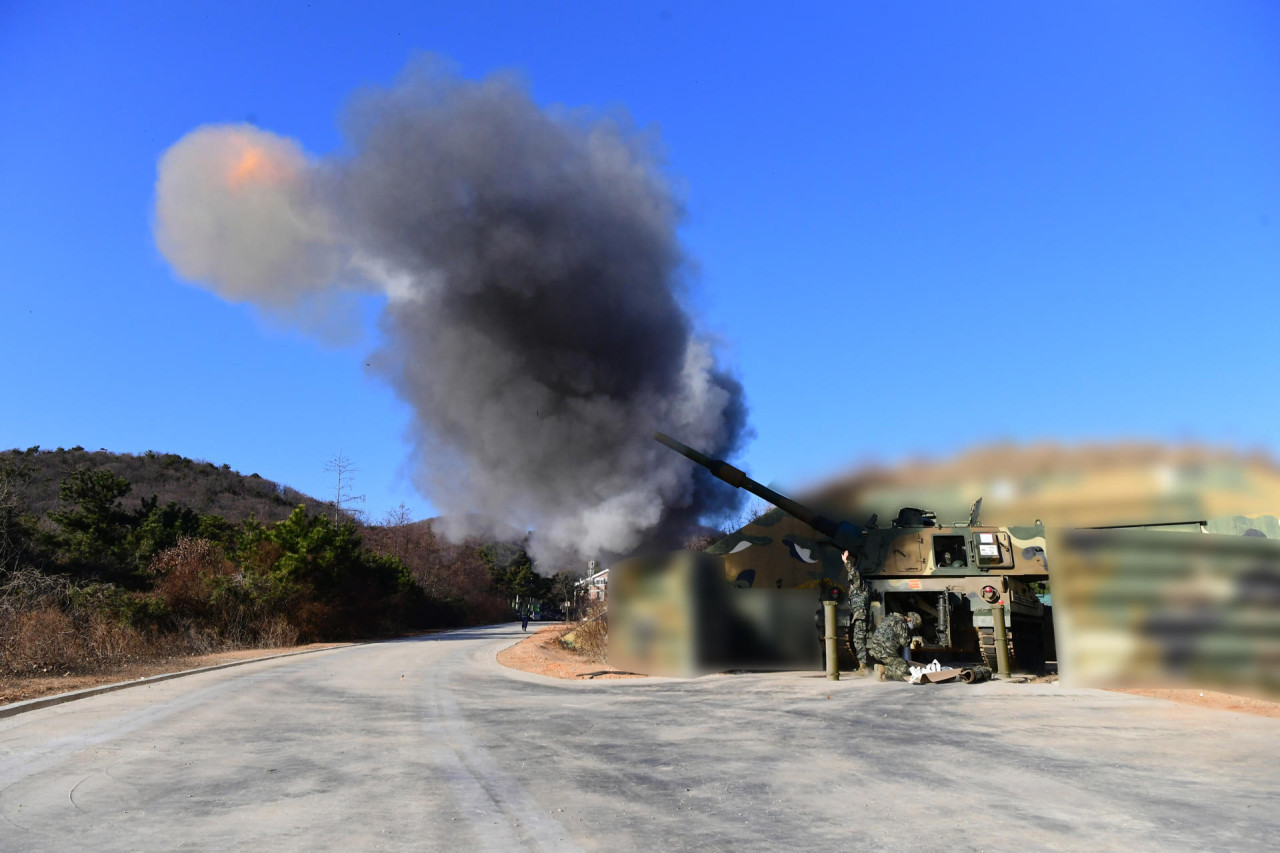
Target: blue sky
916 228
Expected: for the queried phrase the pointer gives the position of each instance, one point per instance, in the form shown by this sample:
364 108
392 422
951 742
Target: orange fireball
249 166
255 164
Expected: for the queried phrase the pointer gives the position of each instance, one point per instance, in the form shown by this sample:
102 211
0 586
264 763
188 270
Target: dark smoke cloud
533 316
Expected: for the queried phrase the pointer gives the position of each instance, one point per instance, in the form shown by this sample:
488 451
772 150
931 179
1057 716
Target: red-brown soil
542 654
1210 699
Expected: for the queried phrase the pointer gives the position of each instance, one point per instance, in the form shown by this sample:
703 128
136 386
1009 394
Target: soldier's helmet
914 618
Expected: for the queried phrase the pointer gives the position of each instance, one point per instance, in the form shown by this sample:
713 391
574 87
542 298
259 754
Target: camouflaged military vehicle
950 573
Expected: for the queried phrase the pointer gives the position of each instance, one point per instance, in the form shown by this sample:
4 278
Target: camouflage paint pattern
776 551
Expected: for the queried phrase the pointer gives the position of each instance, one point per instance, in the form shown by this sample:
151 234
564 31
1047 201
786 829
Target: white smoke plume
532 317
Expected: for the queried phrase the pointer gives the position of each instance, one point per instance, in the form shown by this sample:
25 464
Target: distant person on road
887 642
858 625
524 620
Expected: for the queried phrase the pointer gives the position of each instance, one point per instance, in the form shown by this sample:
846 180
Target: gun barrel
736 478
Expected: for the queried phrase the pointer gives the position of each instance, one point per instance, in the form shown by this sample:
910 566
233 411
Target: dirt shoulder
22 688
1209 699
542 654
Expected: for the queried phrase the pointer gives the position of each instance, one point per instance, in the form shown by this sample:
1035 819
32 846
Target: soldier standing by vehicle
858 620
887 642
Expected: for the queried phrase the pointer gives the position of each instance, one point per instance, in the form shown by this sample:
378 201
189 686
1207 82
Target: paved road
429 744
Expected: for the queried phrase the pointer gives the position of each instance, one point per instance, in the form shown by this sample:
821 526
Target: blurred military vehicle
1191 595
1170 606
1078 486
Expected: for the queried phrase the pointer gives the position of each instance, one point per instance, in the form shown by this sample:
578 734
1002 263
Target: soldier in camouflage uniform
858 620
887 642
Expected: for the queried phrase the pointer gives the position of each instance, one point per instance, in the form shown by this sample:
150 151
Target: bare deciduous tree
345 470
396 535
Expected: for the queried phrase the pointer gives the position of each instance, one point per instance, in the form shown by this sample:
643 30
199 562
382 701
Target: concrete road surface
429 744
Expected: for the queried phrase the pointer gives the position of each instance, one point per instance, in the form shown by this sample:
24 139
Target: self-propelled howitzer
951 574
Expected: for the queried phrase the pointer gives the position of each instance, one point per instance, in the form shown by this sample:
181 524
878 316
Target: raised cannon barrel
843 534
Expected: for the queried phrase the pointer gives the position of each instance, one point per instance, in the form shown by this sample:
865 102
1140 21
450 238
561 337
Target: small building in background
595 586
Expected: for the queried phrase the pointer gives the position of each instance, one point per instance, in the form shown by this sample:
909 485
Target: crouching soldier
887 642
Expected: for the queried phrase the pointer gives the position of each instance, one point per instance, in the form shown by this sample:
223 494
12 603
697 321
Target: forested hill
107 558
202 486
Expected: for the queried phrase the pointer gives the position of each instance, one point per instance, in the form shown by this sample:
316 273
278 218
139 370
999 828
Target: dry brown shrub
315 619
591 635
42 640
185 574
275 632
24 589
47 625
198 639
110 641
